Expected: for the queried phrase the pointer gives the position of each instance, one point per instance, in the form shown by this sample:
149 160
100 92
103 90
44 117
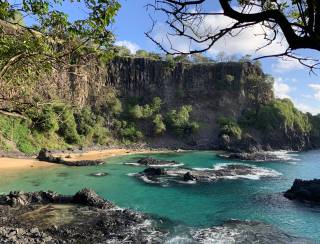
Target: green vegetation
229 127
57 125
180 121
278 115
159 125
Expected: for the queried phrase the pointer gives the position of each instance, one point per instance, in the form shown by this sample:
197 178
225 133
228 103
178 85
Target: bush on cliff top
281 114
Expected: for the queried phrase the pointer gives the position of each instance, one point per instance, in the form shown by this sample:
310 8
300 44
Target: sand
21 163
29 163
101 154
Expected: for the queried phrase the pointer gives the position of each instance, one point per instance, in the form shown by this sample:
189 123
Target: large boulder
48 156
89 198
305 191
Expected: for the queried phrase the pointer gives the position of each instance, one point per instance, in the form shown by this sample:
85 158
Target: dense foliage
180 121
54 41
278 115
229 127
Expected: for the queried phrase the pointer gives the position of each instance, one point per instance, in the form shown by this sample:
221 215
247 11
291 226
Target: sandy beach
101 154
29 163
22 163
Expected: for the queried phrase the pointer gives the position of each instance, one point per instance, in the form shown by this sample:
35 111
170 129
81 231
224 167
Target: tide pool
189 205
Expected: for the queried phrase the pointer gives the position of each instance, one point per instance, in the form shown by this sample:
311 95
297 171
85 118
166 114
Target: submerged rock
304 191
47 156
99 174
243 232
184 175
151 162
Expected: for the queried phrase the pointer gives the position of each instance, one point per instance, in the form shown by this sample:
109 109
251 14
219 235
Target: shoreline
18 163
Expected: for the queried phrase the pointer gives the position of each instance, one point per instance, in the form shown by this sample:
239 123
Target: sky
292 80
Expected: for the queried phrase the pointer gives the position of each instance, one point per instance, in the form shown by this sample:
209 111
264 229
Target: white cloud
243 42
281 89
285 65
316 88
307 108
133 47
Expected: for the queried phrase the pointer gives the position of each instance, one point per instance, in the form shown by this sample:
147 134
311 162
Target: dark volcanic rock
152 162
154 171
305 191
90 198
243 232
189 177
24 236
83 218
182 175
257 156
16 199
46 155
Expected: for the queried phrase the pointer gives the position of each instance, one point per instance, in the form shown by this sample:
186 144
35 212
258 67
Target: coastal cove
184 206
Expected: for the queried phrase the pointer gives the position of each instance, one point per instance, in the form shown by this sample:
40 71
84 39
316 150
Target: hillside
130 101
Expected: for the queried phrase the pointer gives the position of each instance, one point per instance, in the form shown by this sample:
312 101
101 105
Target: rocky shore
51 218
47 217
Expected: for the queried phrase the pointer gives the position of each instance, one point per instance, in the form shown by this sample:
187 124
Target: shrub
85 120
130 132
67 124
229 127
159 125
43 120
179 121
17 131
146 111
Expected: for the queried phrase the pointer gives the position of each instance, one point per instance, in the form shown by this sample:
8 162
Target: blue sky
291 79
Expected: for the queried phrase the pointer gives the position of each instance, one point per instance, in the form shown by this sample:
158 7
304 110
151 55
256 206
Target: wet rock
47 156
23 236
152 162
154 171
305 191
243 232
90 198
86 218
180 175
257 156
17 198
189 177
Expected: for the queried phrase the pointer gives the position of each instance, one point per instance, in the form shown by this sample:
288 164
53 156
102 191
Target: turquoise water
199 205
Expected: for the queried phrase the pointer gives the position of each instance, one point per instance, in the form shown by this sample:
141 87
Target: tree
27 52
298 21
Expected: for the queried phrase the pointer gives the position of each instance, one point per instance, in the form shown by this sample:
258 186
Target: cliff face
213 90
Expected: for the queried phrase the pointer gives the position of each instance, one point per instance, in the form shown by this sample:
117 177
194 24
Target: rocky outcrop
39 217
166 177
84 197
152 162
255 156
47 156
236 231
305 191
